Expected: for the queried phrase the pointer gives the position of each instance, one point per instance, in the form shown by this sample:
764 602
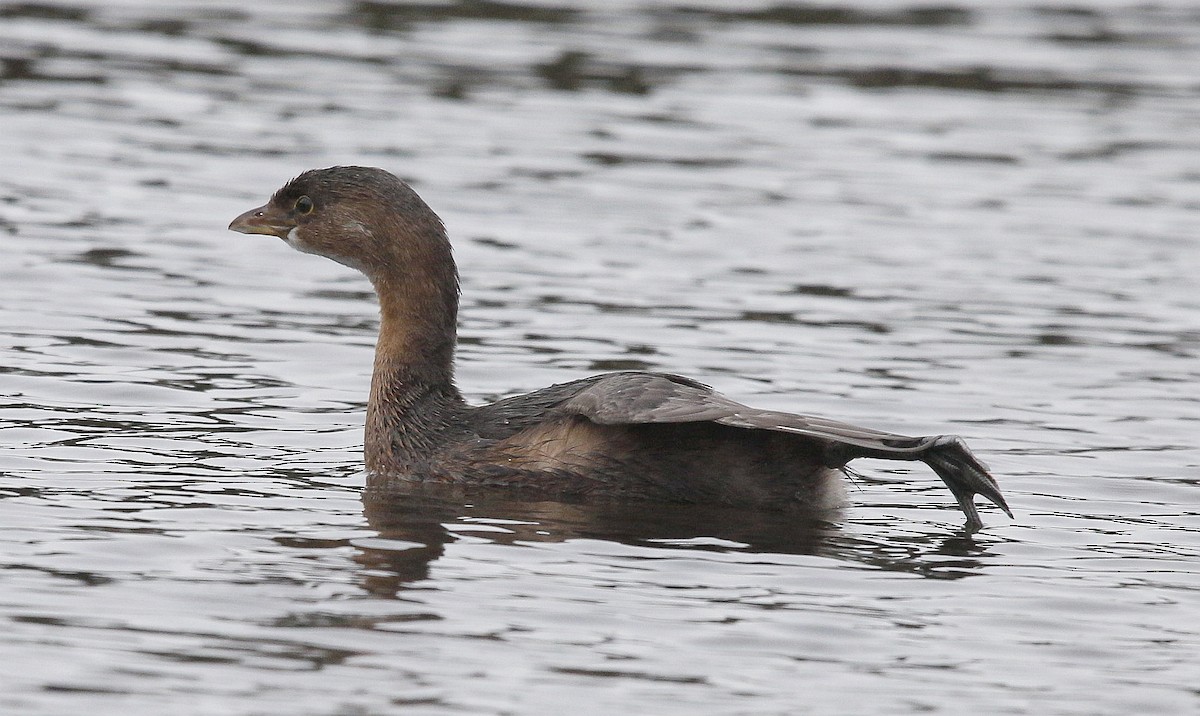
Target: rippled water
920 218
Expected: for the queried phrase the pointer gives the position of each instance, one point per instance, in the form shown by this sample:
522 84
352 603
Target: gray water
964 218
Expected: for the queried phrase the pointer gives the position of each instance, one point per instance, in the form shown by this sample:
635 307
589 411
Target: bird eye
304 205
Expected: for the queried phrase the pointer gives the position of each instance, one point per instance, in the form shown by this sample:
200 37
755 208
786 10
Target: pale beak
266 219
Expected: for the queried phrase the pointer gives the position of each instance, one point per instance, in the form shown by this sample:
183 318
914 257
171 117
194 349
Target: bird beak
266 219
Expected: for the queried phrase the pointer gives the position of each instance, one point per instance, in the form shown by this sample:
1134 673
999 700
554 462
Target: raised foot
965 475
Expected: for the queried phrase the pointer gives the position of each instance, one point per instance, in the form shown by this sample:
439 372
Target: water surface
925 219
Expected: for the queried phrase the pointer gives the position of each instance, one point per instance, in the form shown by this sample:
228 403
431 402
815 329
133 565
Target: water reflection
415 526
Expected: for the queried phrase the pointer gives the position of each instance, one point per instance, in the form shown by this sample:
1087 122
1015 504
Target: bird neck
413 398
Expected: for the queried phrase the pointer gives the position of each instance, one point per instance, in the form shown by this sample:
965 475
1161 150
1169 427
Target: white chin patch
293 239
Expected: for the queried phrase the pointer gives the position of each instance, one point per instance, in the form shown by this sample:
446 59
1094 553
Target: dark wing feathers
634 397
825 429
623 398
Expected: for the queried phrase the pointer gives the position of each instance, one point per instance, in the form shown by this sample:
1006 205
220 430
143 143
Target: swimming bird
624 435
